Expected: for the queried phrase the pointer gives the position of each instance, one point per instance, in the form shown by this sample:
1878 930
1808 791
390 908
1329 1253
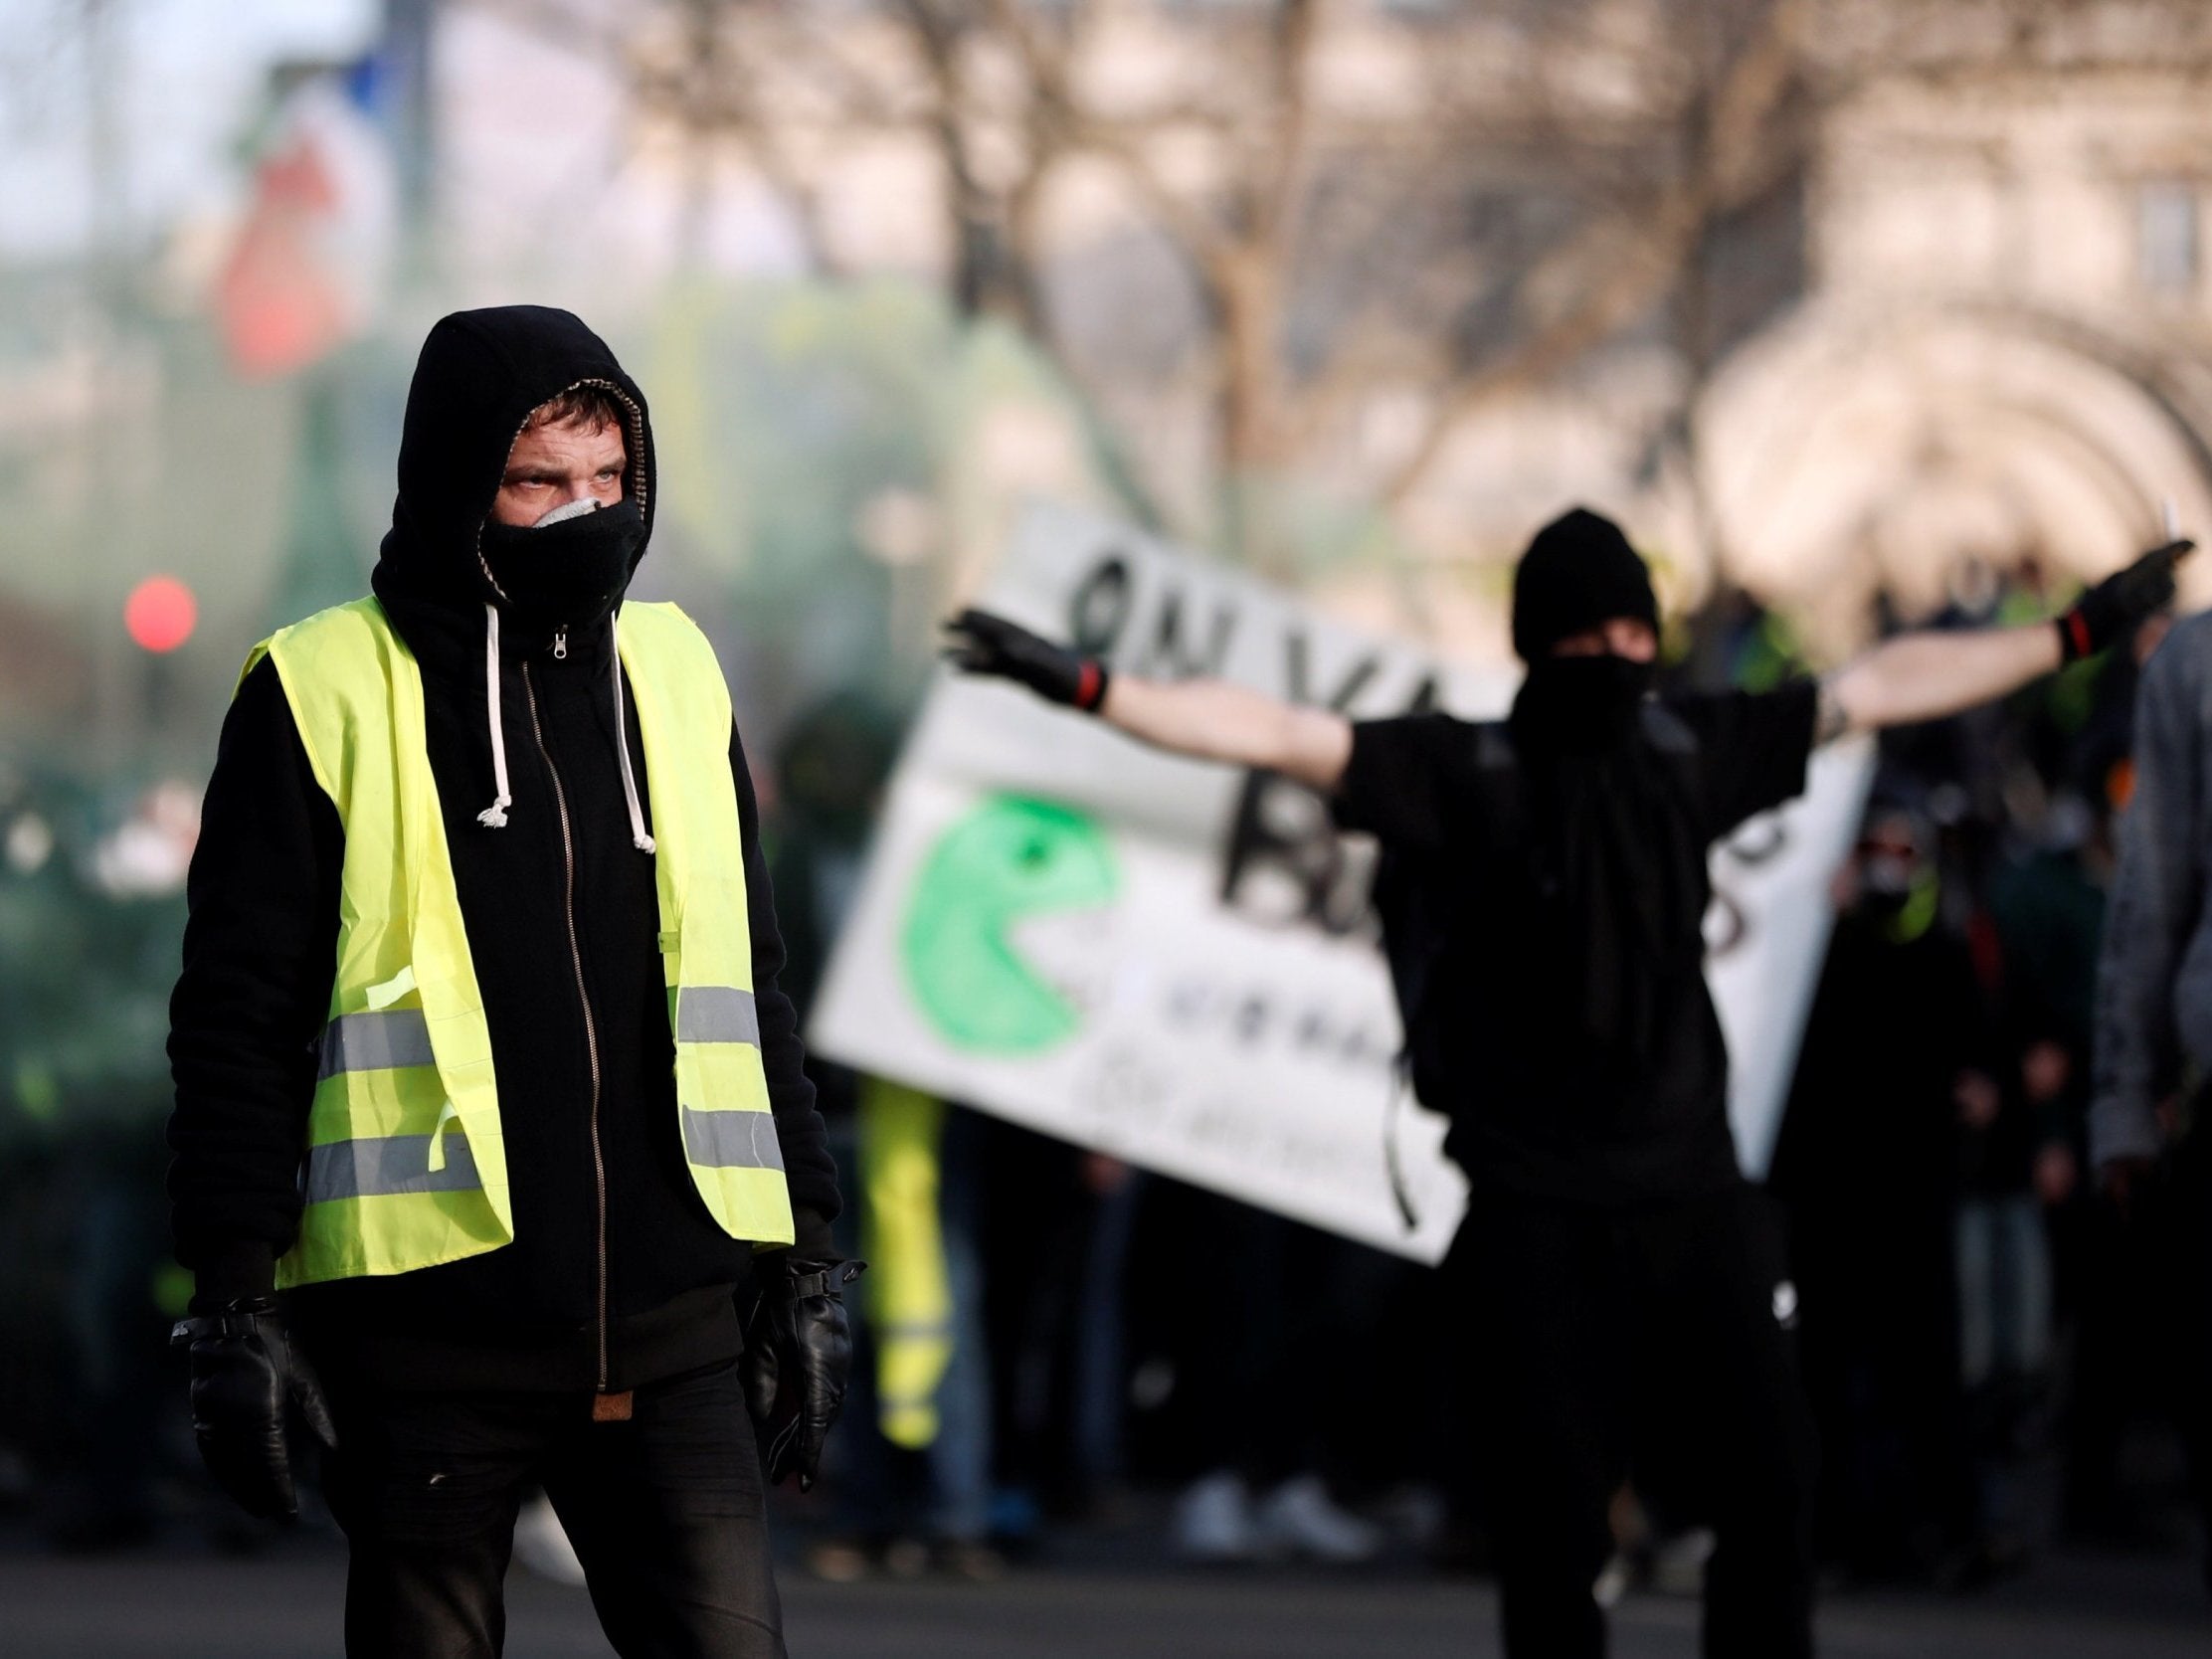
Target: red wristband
1090 686
2075 626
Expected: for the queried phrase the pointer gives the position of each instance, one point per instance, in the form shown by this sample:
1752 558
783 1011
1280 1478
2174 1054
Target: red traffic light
160 613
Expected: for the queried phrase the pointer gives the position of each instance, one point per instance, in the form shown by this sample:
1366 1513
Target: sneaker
542 1545
1299 1517
906 1559
837 1560
971 1561
1212 1522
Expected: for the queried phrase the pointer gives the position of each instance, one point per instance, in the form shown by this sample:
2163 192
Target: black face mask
568 574
1882 906
1582 702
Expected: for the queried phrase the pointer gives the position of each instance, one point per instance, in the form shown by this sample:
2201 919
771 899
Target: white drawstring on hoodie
637 837
495 816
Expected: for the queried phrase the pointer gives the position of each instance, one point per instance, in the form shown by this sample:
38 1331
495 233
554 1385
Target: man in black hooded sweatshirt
589 1338
1542 894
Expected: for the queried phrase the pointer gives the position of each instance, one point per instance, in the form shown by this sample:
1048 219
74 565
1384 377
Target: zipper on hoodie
583 997
560 644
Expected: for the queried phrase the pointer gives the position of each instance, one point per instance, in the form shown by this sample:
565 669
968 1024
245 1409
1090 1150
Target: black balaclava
1578 573
1603 809
460 589
479 375
563 575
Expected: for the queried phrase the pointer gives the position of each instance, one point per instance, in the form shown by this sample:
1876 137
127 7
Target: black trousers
666 1511
1654 1341
2143 1340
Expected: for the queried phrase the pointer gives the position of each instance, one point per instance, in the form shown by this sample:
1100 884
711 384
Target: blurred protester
910 1485
88 919
1734 640
556 1104
1543 892
1058 1234
2021 1171
1265 1491
2148 1142
1897 1060
831 768
912 1488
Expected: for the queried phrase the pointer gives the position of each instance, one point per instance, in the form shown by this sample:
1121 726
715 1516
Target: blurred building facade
2002 347
1824 295
1819 296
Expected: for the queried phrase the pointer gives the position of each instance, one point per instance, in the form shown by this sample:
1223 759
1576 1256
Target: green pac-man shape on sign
1005 861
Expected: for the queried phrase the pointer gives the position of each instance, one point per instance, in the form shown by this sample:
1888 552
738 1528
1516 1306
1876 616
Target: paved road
284 1605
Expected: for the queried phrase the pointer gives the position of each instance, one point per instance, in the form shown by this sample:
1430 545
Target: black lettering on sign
1285 864
1347 907
1728 925
1287 867
1168 657
1298 675
1427 695
1098 612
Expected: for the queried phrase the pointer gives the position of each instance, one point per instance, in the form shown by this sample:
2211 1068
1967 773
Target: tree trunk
1247 293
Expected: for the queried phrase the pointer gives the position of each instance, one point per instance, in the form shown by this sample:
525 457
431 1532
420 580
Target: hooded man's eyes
527 481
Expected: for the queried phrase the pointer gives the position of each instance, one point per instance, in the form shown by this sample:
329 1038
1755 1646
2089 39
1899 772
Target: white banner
1174 963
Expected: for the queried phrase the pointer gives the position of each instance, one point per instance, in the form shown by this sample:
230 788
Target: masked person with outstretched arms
1542 890
489 1108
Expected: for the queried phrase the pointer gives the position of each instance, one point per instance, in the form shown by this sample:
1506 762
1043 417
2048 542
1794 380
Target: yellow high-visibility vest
909 1290
406 1165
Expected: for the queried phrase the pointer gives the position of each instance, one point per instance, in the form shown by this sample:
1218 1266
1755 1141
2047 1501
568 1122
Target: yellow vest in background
406 1163
909 1287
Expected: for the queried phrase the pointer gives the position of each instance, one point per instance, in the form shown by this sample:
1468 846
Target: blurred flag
311 259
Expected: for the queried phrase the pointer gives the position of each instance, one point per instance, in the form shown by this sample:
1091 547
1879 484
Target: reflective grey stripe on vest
716 1013
376 1042
372 1168
731 1140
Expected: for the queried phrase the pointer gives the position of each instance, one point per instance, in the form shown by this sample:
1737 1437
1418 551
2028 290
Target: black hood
1579 572
479 375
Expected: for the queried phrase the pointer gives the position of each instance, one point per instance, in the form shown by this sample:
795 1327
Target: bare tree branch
1541 177
1629 274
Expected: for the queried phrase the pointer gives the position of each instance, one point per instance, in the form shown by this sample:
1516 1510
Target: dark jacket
2155 975
616 1274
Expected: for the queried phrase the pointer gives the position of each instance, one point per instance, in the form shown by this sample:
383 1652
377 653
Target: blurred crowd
1054 1342
1980 1326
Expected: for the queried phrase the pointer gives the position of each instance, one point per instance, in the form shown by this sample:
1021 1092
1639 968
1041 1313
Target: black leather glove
2120 604
797 1351
246 1380
981 643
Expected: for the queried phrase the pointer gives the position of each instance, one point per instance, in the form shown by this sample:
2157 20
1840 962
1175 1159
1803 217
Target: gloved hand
979 643
2121 603
797 1351
246 1377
